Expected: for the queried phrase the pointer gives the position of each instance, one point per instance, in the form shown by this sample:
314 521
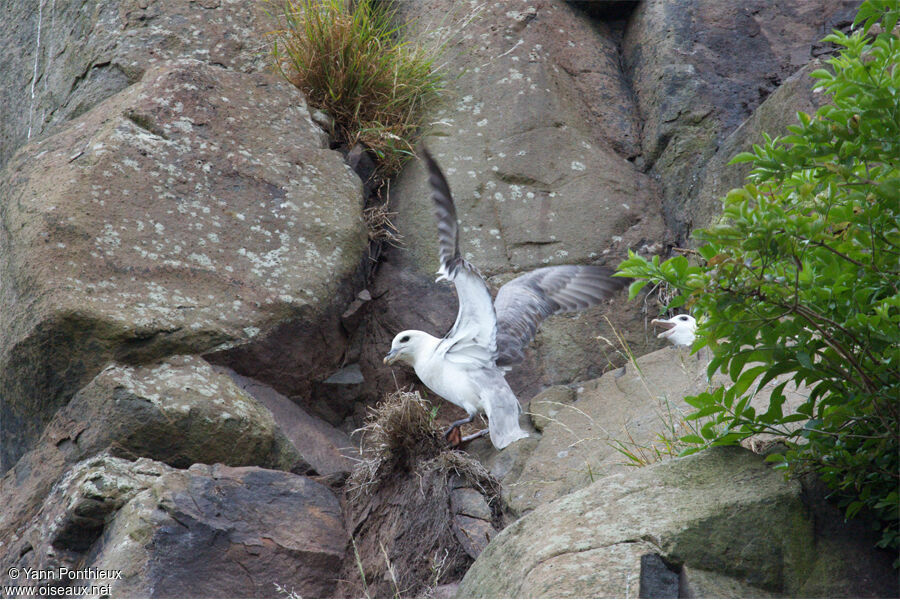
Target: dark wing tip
445 213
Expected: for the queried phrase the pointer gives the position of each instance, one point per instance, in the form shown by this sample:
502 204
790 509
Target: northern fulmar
680 330
467 365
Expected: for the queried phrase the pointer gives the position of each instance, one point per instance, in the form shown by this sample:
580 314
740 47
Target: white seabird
681 330
467 365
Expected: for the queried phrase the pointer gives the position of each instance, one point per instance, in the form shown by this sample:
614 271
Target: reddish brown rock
221 532
700 68
209 531
327 451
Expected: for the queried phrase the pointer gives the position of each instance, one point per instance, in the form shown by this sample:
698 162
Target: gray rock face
700 68
327 450
722 511
198 210
178 411
581 428
60 59
534 183
205 532
773 117
589 431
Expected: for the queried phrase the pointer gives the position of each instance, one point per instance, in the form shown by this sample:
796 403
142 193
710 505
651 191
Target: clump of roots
398 502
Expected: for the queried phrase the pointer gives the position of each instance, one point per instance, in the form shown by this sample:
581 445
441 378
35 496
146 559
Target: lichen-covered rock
209 531
198 210
534 183
60 59
722 511
700 68
71 514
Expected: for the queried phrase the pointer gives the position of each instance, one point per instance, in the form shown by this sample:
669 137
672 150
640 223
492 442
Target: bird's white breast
450 381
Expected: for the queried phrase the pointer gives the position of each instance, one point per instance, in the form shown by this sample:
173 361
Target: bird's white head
680 329
406 345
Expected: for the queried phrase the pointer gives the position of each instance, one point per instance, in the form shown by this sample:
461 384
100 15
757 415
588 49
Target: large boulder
700 68
60 59
196 211
629 417
179 411
585 428
226 532
149 530
722 521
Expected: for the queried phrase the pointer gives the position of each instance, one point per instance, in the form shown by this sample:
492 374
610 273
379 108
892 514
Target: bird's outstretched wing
473 338
527 300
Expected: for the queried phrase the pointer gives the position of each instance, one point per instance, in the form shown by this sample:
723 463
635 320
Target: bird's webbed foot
453 433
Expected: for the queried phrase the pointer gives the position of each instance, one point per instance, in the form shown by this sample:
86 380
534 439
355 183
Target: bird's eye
404 339
683 318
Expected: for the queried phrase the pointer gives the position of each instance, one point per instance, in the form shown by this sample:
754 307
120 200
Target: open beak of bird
664 323
391 357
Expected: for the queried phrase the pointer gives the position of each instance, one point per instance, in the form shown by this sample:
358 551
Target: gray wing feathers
501 407
448 224
473 338
527 300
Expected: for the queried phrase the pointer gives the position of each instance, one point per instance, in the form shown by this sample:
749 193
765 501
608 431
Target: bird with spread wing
467 365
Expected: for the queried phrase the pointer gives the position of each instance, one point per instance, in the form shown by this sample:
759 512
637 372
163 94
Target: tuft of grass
399 432
351 60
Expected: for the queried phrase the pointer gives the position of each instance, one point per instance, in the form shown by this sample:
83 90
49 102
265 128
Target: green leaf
742 158
692 439
820 74
635 287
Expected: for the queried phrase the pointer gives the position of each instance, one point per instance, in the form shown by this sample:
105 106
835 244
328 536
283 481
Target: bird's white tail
502 410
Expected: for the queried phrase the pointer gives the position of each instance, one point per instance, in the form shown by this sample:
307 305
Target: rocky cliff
190 328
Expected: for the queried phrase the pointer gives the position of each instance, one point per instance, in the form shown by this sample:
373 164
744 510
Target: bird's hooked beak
391 357
664 323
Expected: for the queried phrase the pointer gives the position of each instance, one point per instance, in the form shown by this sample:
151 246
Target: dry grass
399 432
354 64
380 227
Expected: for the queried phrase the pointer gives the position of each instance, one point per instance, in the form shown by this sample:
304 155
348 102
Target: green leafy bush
354 64
800 278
